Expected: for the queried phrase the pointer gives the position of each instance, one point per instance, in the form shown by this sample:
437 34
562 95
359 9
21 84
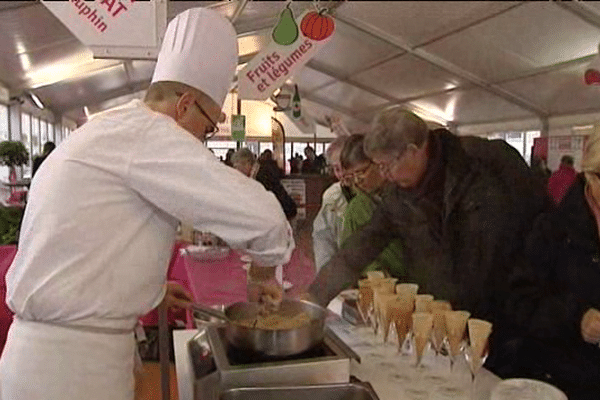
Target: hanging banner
238 127
294 42
559 146
114 28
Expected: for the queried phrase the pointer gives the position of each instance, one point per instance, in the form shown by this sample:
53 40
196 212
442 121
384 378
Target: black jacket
270 175
549 296
488 206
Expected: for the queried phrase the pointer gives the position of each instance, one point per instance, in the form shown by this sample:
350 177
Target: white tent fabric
460 63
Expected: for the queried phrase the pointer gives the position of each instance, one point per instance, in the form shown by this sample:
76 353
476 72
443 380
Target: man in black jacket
37 161
462 206
270 175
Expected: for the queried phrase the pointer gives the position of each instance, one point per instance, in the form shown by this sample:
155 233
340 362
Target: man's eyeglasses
387 165
214 129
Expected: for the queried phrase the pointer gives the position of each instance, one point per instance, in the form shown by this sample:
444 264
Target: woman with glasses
328 223
369 184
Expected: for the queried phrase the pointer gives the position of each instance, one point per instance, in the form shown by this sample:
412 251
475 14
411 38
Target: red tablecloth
7 254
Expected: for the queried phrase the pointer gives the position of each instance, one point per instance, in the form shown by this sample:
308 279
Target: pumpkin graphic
317 26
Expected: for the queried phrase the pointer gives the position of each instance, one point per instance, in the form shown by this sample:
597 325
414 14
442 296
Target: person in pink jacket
561 180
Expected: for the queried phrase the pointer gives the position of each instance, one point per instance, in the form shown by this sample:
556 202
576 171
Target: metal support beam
545 132
239 10
587 13
13 5
109 95
81 75
127 66
393 100
443 64
346 111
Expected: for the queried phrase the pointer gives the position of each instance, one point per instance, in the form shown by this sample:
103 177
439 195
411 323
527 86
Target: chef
102 216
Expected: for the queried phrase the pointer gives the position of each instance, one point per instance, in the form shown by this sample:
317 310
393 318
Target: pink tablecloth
7 253
211 283
224 282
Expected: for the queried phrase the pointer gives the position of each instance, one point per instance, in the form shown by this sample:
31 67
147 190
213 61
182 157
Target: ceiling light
37 101
86 112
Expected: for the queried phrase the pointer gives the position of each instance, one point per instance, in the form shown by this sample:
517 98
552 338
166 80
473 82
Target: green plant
10 221
13 153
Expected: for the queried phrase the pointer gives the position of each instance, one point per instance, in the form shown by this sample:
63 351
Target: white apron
49 362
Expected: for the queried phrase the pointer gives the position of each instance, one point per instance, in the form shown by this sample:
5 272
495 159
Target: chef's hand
590 326
177 296
264 288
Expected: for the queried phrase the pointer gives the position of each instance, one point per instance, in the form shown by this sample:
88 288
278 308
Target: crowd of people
471 223
266 171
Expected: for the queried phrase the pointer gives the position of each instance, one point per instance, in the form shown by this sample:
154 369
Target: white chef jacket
102 215
328 225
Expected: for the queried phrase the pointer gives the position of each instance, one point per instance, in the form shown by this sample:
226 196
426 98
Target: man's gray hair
393 129
243 155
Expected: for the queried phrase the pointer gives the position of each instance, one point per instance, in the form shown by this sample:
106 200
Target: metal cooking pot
267 342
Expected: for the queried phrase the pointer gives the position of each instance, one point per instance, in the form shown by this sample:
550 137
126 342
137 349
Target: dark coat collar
575 217
459 166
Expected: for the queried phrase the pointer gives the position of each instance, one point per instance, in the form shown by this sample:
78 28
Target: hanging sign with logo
238 127
294 43
114 28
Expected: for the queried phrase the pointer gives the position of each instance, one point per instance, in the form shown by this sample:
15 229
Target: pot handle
211 312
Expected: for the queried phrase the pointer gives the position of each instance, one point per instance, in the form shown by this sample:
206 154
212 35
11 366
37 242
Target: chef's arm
193 185
347 265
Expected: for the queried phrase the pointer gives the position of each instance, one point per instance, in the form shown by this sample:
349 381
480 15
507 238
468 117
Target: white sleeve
324 236
175 172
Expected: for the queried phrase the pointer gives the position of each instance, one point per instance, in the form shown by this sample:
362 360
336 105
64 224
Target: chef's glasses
214 129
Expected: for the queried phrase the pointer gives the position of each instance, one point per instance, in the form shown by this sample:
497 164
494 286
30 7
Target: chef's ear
184 102
222 117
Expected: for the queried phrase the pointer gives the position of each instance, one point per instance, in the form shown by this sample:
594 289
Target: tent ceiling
463 62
